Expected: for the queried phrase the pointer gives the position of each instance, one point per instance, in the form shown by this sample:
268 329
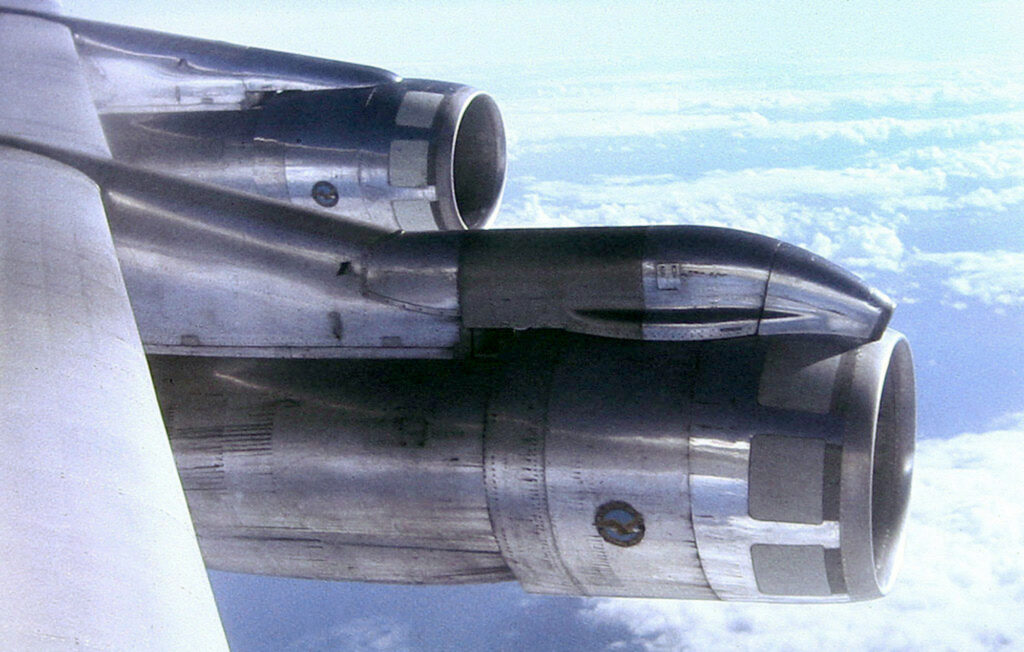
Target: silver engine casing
770 469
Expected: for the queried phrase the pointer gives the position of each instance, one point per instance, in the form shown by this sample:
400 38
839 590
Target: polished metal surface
418 272
412 155
513 473
747 489
354 140
704 284
680 283
578 426
741 500
98 548
213 269
683 283
822 510
218 272
578 465
225 283
139 70
349 469
878 442
808 295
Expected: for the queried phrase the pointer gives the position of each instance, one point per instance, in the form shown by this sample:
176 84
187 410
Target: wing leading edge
99 551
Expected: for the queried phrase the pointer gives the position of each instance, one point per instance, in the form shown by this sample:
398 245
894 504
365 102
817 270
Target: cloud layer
882 178
357 635
995 278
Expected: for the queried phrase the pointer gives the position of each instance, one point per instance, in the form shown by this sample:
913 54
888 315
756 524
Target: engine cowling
771 469
415 154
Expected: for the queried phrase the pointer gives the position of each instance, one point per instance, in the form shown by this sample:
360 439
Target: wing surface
97 545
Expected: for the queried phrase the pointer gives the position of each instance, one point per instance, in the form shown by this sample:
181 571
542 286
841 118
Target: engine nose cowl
678 283
807 294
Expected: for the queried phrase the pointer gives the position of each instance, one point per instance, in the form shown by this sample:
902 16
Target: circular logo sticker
619 524
325 194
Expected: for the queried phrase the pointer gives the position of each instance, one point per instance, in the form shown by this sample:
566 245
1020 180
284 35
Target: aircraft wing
98 547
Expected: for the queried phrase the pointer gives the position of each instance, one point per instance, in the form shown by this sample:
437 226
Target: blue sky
887 137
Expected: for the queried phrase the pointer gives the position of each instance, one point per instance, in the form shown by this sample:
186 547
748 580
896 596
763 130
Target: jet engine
414 154
359 383
752 469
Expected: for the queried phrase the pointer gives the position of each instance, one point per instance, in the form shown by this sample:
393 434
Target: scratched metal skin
98 549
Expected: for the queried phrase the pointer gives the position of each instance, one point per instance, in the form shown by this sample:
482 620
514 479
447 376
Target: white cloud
960 589
773 202
1009 421
533 127
877 247
861 108
995 278
881 129
924 104
774 183
836 232
916 203
817 88
999 159
358 635
995 200
530 128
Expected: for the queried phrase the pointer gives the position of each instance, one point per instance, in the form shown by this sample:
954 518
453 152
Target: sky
888 137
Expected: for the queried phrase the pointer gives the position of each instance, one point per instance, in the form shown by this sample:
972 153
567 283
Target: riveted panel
414 215
790 570
408 163
786 478
801 379
418 109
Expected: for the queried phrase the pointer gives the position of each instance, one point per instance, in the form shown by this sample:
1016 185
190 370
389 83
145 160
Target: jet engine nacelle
770 469
415 154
